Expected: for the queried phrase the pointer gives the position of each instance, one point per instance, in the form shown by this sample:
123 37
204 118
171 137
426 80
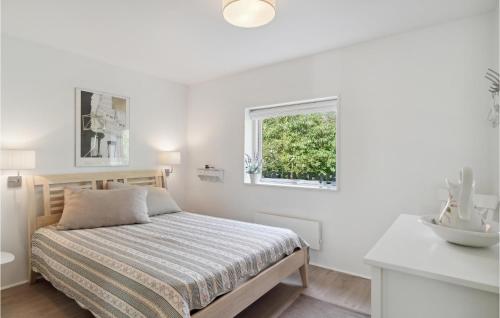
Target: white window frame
253 143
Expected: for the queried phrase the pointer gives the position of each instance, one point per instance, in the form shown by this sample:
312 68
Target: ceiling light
249 13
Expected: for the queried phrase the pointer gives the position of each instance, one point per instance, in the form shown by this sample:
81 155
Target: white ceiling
188 41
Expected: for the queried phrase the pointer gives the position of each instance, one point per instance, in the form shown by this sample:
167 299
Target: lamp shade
249 13
17 159
168 158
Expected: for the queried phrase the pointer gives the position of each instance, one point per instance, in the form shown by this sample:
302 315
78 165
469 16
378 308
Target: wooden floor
41 300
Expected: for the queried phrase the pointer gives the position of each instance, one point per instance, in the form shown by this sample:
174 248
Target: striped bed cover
167 268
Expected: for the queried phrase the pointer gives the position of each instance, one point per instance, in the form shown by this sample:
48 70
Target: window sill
292 186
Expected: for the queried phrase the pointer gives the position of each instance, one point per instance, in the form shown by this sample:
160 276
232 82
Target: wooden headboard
51 190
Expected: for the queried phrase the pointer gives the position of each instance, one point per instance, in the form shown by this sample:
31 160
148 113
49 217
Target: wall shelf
211 174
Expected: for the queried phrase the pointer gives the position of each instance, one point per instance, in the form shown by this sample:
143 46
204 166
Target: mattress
177 263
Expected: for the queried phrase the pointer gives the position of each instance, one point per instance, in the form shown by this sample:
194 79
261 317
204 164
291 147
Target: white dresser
415 274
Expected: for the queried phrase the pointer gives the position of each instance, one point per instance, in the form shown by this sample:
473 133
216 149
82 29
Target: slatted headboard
51 190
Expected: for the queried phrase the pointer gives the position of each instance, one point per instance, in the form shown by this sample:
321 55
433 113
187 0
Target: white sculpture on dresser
463 221
459 211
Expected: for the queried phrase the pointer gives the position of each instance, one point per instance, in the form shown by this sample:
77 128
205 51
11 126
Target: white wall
413 110
38 111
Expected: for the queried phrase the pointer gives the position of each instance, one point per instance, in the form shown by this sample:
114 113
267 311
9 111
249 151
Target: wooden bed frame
49 190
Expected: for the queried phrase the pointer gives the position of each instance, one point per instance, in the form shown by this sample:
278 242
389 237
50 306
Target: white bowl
462 237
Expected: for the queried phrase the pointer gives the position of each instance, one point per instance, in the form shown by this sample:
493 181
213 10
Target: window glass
300 147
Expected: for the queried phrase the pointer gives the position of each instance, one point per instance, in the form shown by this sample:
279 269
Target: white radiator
309 230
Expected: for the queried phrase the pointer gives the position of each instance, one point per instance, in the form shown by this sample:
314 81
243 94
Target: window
296 143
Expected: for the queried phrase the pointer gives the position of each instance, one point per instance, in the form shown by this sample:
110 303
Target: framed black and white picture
102 129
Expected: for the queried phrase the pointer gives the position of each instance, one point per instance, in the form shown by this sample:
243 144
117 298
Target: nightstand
6 258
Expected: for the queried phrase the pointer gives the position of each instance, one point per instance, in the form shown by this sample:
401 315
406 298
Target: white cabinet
416 274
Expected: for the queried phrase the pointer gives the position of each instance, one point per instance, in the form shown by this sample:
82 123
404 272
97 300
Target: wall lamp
16 160
169 158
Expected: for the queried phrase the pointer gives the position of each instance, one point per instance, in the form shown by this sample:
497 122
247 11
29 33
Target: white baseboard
14 285
341 271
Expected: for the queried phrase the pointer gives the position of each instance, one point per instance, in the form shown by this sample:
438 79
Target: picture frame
102 129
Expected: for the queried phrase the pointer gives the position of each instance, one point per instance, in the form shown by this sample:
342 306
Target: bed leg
32 277
304 269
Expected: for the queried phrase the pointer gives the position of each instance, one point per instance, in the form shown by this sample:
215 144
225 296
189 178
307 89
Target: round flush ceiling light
249 13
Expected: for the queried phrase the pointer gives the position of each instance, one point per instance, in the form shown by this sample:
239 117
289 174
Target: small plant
253 164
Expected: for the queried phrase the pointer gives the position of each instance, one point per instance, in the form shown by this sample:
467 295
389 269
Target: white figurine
459 211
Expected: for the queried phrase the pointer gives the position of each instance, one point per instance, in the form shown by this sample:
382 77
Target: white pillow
85 209
159 200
